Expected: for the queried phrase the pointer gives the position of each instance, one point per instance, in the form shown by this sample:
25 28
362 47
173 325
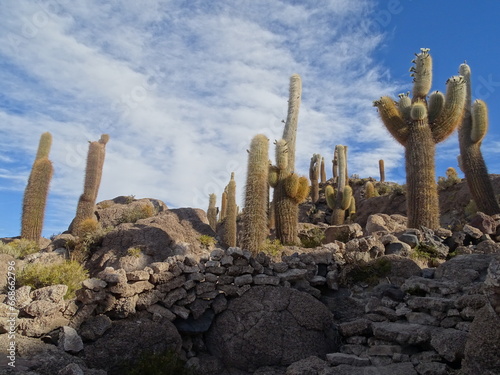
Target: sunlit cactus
323 171
471 134
314 174
229 222
381 168
212 211
93 174
418 128
339 200
255 215
36 192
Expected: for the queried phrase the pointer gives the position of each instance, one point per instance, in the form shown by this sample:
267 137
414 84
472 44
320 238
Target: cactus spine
471 134
212 211
419 134
323 171
339 200
229 233
381 168
314 174
256 195
289 189
93 174
36 192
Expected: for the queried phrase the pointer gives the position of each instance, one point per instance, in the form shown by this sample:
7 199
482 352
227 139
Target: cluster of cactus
289 189
93 174
255 215
419 124
315 172
471 134
229 221
341 199
36 192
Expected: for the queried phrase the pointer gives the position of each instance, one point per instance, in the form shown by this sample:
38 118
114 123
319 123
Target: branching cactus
93 174
419 125
37 190
323 171
381 168
255 228
314 174
289 191
229 224
339 199
212 211
471 134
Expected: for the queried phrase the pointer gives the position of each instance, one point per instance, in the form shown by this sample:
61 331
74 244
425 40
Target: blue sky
183 86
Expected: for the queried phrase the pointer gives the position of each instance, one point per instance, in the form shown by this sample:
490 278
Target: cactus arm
273 176
418 111
290 131
392 119
346 198
404 106
453 109
479 121
435 104
302 192
44 146
330 196
422 73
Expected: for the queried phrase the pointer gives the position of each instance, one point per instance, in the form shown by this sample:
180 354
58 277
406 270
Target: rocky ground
372 298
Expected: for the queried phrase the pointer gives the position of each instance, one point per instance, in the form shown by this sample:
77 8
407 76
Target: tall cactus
229 224
223 205
471 134
419 125
93 174
323 171
255 228
381 168
339 200
37 190
212 211
289 189
314 174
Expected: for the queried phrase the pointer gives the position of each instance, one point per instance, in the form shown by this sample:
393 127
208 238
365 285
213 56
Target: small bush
37 275
399 189
129 199
272 248
88 241
167 363
134 252
313 238
369 272
19 248
207 241
450 180
135 213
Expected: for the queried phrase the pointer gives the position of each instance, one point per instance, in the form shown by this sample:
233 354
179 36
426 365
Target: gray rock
70 341
432 368
95 327
449 343
342 233
271 326
95 284
392 369
358 327
398 248
307 366
404 334
336 359
464 269
410 239
52 293
71 369
43 308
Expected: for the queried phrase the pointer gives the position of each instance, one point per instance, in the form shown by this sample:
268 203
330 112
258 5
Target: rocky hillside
375 298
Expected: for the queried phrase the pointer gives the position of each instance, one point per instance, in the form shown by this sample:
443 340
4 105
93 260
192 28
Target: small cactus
229 224
212 211
471 162
256 195
93 174
314 174
36 192
370 190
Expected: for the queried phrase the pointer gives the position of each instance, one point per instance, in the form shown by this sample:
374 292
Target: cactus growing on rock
419 126
212 211
339 200
471 134
93 174
314 174
229 224
256 195
370 191
36 192
289 189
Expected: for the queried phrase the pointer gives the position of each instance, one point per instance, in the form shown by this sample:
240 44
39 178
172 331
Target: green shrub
19 248
167 363
88 241
312 238
70 273
134 252
272 248
132 214
207 241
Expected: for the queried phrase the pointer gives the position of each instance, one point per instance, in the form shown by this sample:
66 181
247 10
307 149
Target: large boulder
385 223
270 326
173 232
127 339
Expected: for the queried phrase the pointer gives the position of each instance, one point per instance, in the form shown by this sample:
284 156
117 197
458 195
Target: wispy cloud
182 88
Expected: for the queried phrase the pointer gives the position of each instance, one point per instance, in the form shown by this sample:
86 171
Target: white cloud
183 89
